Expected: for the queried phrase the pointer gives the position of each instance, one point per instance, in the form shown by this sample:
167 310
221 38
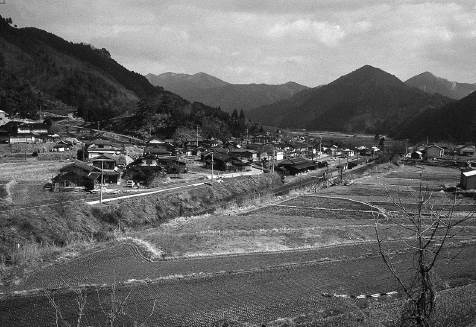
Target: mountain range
41 70
365 100
432 84
207 89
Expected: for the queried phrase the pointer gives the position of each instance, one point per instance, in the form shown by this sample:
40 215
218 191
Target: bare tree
429 229
113 306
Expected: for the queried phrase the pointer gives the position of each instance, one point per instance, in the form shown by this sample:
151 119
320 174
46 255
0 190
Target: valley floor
253 266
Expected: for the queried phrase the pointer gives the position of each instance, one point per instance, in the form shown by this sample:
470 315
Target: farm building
434 151
468 179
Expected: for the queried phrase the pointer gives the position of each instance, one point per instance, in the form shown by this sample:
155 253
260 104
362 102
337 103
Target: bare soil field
252 297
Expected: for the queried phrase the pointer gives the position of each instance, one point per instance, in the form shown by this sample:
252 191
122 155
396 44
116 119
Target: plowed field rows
247 297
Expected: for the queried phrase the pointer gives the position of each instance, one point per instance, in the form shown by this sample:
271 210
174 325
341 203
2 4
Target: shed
468 179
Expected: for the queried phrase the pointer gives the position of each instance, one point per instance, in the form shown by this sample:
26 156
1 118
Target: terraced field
260 265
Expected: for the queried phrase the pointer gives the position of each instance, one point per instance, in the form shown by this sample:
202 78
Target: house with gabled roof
434 151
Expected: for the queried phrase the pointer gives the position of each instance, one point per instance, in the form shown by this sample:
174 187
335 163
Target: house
108 168
364 151
434 151
62 146
160 149
100 147
77 174
225 162
244 154
170 164
32 128
465 150
468 179
349 153
295 166
22 138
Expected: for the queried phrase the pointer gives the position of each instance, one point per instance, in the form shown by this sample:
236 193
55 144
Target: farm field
254 297
265 263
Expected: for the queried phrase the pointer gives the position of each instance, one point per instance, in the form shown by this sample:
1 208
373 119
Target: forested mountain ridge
215 92
454 122
41 70
365 100
78 75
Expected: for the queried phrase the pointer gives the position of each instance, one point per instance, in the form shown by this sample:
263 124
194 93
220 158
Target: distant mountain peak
430 83
369 74
367 99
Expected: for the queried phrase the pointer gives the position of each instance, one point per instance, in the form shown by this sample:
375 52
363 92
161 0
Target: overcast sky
311 42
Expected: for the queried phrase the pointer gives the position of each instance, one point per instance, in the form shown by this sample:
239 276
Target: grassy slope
70 222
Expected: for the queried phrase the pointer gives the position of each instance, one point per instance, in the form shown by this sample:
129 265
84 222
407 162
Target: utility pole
102 180
320 146
197 136
274 158
212 166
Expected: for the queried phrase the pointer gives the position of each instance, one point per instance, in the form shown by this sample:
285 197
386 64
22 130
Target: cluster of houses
432 151
103 161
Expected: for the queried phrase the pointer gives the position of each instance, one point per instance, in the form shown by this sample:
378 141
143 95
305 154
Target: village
102 161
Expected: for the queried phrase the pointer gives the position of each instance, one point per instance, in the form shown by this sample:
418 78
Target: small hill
214 92
365 100
431 84
455 121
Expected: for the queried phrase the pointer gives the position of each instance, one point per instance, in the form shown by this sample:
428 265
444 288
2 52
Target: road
162 190
252 296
